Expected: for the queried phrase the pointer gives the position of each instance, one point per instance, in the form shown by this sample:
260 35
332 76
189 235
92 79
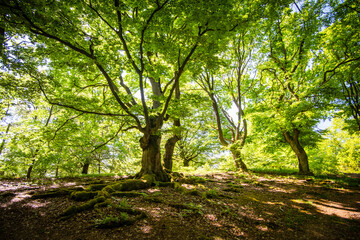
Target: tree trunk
3 142
151 158
28 174
169 152
2 36
85 168
299 151
171 142
29 171
239 163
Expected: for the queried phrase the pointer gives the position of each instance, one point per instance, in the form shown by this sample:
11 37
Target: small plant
106 220
226 210
113 221
122 203
191 209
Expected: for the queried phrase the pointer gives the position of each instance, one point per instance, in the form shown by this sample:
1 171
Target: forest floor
214 206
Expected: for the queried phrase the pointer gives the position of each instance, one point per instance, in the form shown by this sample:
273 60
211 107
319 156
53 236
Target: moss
51 194
232 189
194 180
106 203
131 184
153 199
83 195
117 221
72 210
108 189
166 184
211 194
179 188
194 192
127 194
96 187
96 182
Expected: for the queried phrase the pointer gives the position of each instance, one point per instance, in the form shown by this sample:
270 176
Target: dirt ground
215 206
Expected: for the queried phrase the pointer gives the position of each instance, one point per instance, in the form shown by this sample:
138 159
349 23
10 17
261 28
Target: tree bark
169 152
171 142
295 145
2 36
3 142
151 158
28 174
239 163
29 171
85 168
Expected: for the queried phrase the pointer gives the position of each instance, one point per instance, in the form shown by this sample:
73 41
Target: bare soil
223 206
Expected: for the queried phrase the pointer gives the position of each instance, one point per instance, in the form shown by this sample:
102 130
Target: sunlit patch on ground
263 228
146 229
213 220
20 196
335 208
153 190
35 204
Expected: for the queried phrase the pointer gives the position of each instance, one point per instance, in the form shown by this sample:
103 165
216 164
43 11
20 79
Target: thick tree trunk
151 158
239 163
85 168
169 152
299 151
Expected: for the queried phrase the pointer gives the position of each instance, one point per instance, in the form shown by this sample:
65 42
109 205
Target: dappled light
179 119
213 206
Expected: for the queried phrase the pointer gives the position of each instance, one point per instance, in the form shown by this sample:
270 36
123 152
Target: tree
227 90
290 76
341 61
98 56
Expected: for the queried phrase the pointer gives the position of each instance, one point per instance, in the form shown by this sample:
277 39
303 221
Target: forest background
136 87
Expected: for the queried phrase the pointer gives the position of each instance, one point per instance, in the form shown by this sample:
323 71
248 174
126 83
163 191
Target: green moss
153 199
96 187
82 195
72 210
96 182
128 194
194 180
132 184
166 184
179 188
123 219
106 203
232 189
108 189
194 192
211 194
51 194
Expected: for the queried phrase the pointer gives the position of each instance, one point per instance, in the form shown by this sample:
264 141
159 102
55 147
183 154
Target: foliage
83 81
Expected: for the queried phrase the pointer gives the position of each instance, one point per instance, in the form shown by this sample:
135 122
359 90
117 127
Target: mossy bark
151 158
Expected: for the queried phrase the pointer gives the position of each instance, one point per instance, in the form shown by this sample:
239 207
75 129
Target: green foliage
80 85
338 152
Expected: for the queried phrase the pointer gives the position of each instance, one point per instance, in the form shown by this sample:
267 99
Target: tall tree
228 92
290 76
